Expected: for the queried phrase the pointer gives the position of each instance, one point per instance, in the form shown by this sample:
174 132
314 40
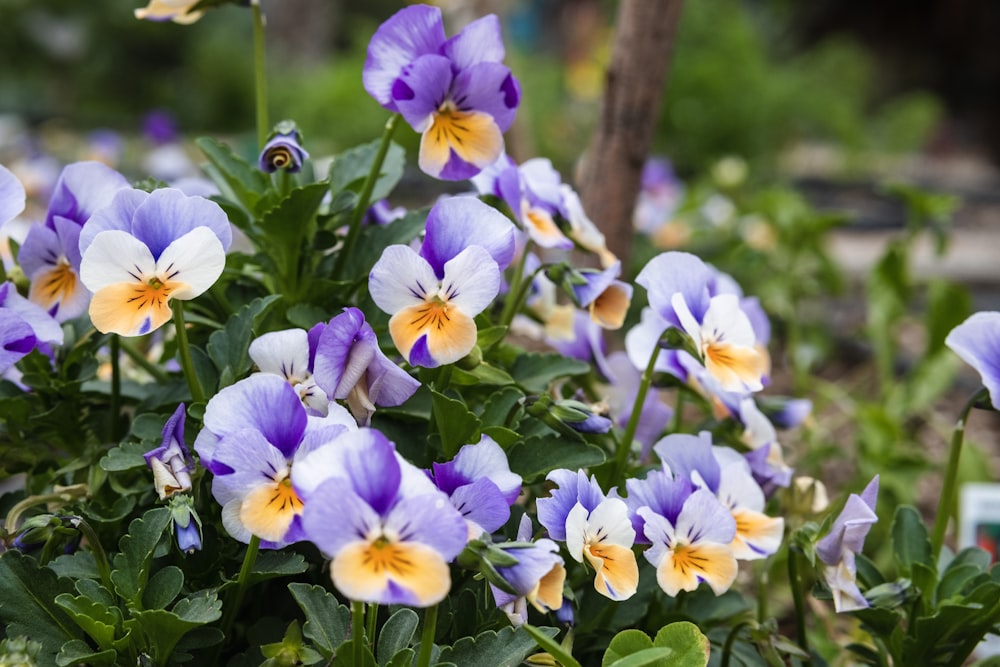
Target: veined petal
45 327
576 531
477 42
727 322
543 230
384 572
335 517
736 368
169 10
115 216
488 88
268 510
401 278
548 595
115 257
408 34
473 137
471 280
132 308
616 572
609 523
456 223
705 519
685 566
757 535
168 214
16 339
422 89
196 259
433 329
482 505
284 353
427 518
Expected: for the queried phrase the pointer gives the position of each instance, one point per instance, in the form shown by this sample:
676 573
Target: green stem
946 504
625 446
140 360
517 288
114 409
260 74
427 637
184 352
358 630
100 556
727 649
63 495
241 585
354 227
763 586
800 613
372 622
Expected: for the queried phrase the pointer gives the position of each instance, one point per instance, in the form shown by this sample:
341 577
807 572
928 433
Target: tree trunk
609 175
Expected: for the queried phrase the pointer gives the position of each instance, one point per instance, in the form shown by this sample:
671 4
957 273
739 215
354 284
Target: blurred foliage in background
738 84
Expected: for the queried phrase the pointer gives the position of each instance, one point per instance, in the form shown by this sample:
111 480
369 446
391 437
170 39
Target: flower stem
372 622
142 362
184 352
354 227
625 446
795 585
100 556
517 289
241 584
358 630
427 636
260 74
114 408
946 504
727 649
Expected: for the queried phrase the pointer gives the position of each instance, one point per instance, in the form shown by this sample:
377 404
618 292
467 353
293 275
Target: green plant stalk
625 446
354 227
800 613
727 649
358 630
427 637
114 409
946 504
63 495
184 352
100 556
511 305
142 362
372 622
260 74
241 584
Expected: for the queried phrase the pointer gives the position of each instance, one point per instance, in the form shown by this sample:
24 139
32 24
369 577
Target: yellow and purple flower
178 11
537 578
456 92
433 296
145 249
390 532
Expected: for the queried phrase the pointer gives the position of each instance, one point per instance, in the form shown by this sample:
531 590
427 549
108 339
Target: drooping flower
537 578
178 11
434 296
389 531
283 151
480 485
604 296
145 249
171 462
977 342
456 92
255 433
50 254
846 538
595 528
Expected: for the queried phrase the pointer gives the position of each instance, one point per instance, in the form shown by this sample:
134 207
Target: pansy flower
145 249
433 296
456 92
977 342
50 254
171 462
178 11
480 485
846 538
595 528
389 531
24 327
604 296
283 151
288 353
537 578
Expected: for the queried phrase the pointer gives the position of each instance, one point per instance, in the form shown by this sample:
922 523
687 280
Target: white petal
115 257
195 259
401 278
610 523
284 353
471 280
727 321
688 323
576 531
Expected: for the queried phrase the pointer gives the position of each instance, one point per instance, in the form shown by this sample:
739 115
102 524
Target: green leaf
345 656
77 565
396 635
535 371
328 623
160 630
690 647
228 348
955 580
544 638
272 564
948 305
624 644
483 374
240 181
27 603
500 408
506 648
351 168
294 213
78 652
131 565
374 239
402 659
537 456
660 656
94 618
456 425
163 587
126 456
910 542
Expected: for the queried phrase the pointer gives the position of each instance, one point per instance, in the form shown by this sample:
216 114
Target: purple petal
408 34
455 223
334 516
676 272
11 196
82 189
482 503
484 459
851 526
421 89
343 351
490 88
977 342
573 488
371 468
479 41
167 214
661 492
16 339
685 454
116 216
429 519
597 282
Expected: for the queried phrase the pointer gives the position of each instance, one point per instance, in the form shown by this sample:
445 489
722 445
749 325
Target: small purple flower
456 92
24 326
537 578
846 538
171 462
977 342
283 151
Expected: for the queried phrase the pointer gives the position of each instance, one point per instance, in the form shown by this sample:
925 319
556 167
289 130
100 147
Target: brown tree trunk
609 175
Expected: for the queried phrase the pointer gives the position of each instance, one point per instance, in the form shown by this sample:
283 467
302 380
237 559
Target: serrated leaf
228 348
27 603
272 564
200 608
245 183
328 623
160 629
78 652
506 648
396 635
163 587
351 168
537 456
126 456
456 424
536 371
77 565
93 618
131 565
294 213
